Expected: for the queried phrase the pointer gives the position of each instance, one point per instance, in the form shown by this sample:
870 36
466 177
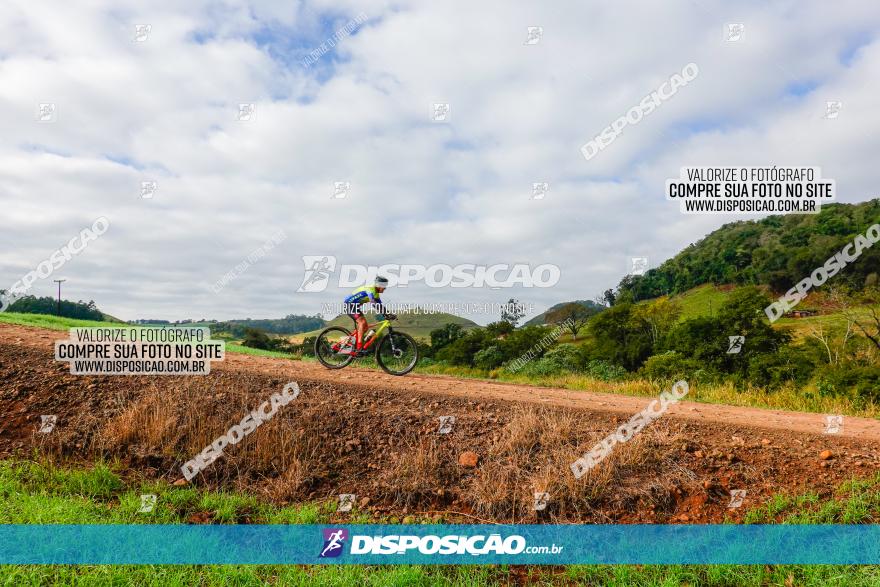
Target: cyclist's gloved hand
390 316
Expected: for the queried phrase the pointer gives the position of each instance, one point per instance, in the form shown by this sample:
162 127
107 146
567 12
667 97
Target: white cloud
422 192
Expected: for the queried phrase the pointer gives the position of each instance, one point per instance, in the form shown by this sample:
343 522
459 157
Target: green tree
620 336
513 312
441 337
255 339
573 316
658 317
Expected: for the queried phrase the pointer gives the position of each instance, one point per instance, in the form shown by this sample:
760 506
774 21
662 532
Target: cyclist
368 294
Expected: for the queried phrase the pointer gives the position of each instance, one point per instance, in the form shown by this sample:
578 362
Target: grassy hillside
290 324
705 300
53 322
777 252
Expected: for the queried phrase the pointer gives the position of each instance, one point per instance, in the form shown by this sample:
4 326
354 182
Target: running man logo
318 271
735 344
334 540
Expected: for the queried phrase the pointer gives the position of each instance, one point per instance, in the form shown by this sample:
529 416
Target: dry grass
180 421
289 483
534 454
151 420
332 441
420 472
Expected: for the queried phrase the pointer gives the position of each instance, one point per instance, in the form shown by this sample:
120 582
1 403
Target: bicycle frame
380 327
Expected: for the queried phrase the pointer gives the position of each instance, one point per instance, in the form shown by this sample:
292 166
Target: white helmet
381 281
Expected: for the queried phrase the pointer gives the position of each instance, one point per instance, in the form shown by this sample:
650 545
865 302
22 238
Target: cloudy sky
163 105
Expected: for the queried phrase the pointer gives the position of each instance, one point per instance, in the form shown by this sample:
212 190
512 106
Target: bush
672 366
564 357
773 369
444 336
489 358
539 368
255 339
599 369
307 347
860 382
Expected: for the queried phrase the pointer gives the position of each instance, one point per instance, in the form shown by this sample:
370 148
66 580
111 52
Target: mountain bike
396 352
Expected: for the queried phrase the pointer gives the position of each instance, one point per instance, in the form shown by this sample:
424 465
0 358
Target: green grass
232 347
58 323
53 322
857 501
704 300
39 492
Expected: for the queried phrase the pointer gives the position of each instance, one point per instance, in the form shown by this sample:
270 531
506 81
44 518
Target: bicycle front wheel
397 353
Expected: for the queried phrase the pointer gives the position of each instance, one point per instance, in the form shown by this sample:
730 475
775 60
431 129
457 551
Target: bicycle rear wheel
328 347
397 353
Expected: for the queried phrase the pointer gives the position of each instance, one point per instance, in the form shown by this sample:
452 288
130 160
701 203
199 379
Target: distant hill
777 251
290 324
80 310
542 317
419 324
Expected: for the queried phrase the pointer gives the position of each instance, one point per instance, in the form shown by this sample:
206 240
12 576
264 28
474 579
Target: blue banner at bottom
440 544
